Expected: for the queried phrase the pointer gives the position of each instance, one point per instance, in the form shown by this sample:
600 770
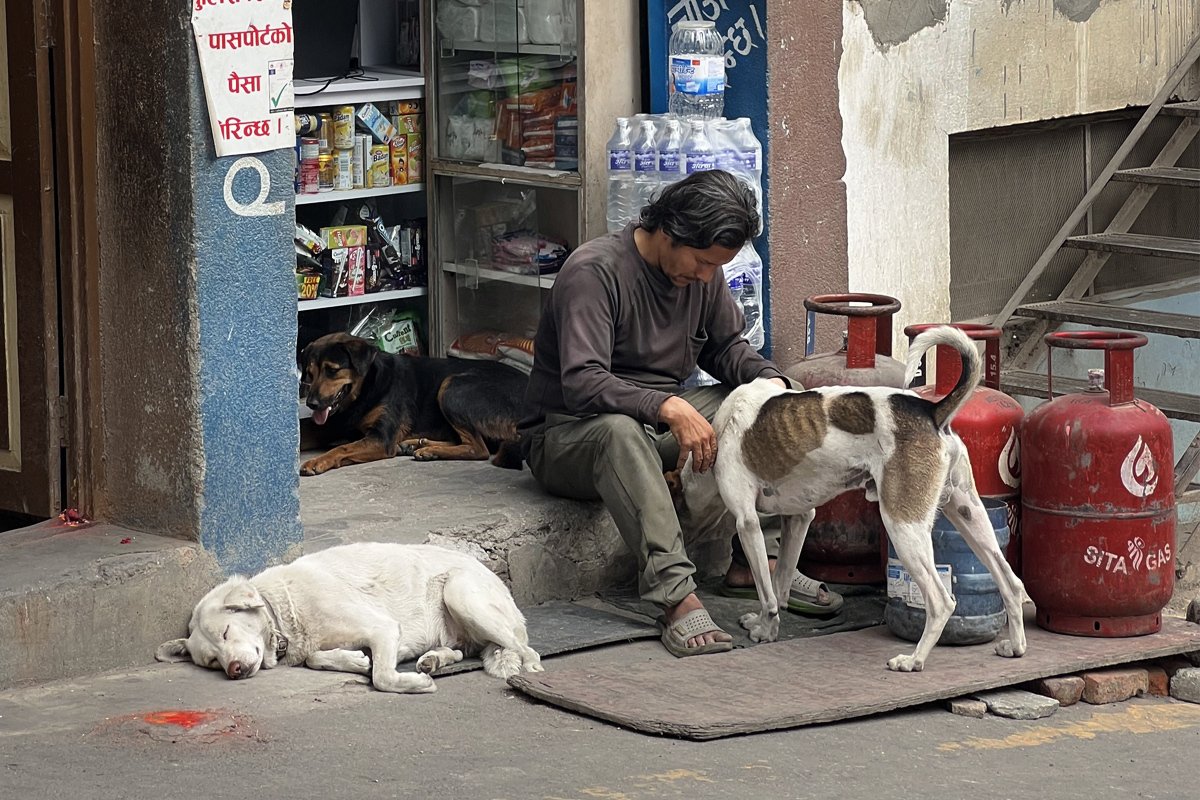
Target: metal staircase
1071 305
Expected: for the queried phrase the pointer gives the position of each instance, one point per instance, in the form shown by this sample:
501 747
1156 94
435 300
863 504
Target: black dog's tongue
320 415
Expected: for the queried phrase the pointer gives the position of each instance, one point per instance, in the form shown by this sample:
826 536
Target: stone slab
822 679
1018 704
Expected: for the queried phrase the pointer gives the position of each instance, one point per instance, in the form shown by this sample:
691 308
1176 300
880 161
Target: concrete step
80 600
1117 317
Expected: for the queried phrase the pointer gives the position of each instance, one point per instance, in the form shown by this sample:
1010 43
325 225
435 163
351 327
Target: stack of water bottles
648 152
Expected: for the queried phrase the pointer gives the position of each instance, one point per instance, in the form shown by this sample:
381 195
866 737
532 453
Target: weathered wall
198 308
914 71
807 200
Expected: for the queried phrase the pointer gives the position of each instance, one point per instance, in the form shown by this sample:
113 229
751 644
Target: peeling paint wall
911 75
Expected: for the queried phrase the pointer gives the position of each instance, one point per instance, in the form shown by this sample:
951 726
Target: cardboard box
416 159
399 165
345 236
375 123
308 285
356 271
410 123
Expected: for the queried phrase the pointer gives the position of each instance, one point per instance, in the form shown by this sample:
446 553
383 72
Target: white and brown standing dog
361 608
786 452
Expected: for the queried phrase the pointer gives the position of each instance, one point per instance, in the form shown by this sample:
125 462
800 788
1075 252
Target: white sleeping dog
787 452
395 601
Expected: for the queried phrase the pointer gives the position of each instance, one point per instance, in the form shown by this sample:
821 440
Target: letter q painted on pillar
256 208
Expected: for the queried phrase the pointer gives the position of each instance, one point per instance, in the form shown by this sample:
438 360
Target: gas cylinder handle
1118 347
868 335
948 362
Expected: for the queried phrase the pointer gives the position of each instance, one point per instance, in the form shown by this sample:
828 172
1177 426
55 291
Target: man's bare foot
687 605
739 575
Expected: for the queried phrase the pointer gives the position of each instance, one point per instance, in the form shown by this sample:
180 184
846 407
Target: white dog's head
230 630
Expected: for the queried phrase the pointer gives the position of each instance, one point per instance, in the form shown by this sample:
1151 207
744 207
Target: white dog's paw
434 660
760 630
1005 648
359 662
904 663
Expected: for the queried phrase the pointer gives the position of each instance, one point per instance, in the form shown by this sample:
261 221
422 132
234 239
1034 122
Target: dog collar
281 641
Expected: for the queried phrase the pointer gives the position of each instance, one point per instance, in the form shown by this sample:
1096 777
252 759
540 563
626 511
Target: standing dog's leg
741 498
914 546
968 514
795 529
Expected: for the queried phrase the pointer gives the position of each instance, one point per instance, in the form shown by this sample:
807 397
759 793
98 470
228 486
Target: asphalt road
298 733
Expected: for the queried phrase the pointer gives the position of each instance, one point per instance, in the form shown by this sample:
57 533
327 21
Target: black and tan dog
383 405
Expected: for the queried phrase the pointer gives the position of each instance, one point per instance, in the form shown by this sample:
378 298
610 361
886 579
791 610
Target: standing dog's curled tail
945 409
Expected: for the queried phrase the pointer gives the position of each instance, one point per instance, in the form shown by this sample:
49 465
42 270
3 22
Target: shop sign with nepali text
246 56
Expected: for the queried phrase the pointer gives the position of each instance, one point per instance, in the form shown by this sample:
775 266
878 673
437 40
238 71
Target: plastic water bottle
751 153
670 152
697 69
722 133
645 167
744 276
698 154
620 176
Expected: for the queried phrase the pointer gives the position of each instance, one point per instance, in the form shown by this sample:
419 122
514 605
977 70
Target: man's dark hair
704 209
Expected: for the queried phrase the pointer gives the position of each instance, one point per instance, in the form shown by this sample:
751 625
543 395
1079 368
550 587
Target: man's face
685 265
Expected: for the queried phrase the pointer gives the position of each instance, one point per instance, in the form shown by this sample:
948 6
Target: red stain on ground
182 719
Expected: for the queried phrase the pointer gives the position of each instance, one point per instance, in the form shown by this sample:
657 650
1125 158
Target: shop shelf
510 173
374 85
373 297
353 194
472 271
566 49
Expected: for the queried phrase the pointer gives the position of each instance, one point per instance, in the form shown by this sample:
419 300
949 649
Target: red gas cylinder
1098 504
989 425
847 542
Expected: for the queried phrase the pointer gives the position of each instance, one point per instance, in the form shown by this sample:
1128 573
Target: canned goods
310 149
325 176
381 176
357 174
310 177
343 128
344 177
325 132
307 124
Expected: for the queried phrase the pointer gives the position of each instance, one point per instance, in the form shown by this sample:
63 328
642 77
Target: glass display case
522 96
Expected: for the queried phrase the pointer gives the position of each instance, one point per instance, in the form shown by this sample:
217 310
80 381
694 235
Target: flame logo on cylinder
1009 463
1139 473
1136 546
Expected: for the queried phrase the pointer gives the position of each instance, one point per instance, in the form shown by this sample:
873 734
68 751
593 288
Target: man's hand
780 382
695 435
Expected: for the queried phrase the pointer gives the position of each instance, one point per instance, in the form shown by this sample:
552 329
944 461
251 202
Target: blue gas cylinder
979 613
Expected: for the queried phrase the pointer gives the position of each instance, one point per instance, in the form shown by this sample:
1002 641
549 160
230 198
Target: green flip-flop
802 599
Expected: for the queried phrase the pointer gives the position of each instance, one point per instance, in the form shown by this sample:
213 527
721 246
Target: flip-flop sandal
802 599
693 623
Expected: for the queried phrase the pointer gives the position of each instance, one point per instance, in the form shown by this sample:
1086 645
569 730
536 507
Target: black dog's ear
362 354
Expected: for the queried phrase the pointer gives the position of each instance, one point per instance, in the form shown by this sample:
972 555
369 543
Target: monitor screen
323 34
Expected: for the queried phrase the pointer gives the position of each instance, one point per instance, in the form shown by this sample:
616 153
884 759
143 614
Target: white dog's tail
972 370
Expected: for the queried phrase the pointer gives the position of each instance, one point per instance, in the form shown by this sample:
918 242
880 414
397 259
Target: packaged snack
401 335
335 284
344 236
399 160
406 107
308 285
356 271
309 240
410 123
416 159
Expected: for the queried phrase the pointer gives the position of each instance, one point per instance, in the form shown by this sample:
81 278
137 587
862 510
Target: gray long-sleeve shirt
616 336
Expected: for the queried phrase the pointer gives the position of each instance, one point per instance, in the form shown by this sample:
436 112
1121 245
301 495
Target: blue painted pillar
197 304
